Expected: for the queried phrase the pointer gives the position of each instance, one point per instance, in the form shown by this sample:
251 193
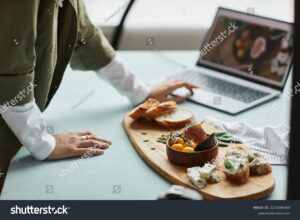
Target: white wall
175 24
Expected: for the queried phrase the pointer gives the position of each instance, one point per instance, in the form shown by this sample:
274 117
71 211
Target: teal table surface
84 102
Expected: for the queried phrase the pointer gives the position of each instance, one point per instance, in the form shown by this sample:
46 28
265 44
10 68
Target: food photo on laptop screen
249 46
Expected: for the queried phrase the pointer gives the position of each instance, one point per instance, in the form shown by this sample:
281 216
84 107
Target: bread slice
176 119
142 108
162 109
238 178
259 165
261 169
236 169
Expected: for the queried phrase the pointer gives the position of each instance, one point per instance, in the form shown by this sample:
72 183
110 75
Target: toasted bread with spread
240 163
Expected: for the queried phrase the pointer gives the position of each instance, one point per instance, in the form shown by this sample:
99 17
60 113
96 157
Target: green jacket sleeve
17 45
92 50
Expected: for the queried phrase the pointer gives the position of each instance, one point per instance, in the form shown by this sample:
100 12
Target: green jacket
38 39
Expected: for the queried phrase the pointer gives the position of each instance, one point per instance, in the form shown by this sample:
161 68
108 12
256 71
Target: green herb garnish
250 158
228 164
225 139
163 138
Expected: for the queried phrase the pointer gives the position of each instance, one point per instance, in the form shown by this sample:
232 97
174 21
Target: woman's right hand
78 143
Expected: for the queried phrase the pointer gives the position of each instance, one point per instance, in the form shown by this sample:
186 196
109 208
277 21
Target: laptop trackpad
211 99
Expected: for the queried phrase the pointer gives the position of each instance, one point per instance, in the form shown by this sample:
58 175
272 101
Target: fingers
71 145
93 143
177 99
88 151
81 133
179 84
90 135
97 138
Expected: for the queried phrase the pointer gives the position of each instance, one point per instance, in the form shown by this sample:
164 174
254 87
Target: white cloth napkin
272 142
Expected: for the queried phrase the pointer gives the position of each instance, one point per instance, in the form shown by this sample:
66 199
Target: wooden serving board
143 134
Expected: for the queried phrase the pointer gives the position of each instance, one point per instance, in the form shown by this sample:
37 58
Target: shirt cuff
119 76
29 126
45 148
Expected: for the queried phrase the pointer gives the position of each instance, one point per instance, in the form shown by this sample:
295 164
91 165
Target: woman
39 38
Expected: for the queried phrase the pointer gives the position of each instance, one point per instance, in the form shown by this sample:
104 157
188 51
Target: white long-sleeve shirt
30 127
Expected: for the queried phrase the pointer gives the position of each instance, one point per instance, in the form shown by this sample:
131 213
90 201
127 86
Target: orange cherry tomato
178 147
191 144
180 141
188 149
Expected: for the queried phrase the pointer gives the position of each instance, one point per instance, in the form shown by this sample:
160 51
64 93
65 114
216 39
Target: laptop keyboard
221 87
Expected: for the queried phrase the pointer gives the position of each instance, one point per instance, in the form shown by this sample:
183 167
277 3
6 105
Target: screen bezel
253 19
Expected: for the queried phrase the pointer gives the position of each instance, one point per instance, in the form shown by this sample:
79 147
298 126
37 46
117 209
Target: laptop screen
248 46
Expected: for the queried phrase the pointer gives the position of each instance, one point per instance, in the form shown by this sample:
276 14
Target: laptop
244 61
